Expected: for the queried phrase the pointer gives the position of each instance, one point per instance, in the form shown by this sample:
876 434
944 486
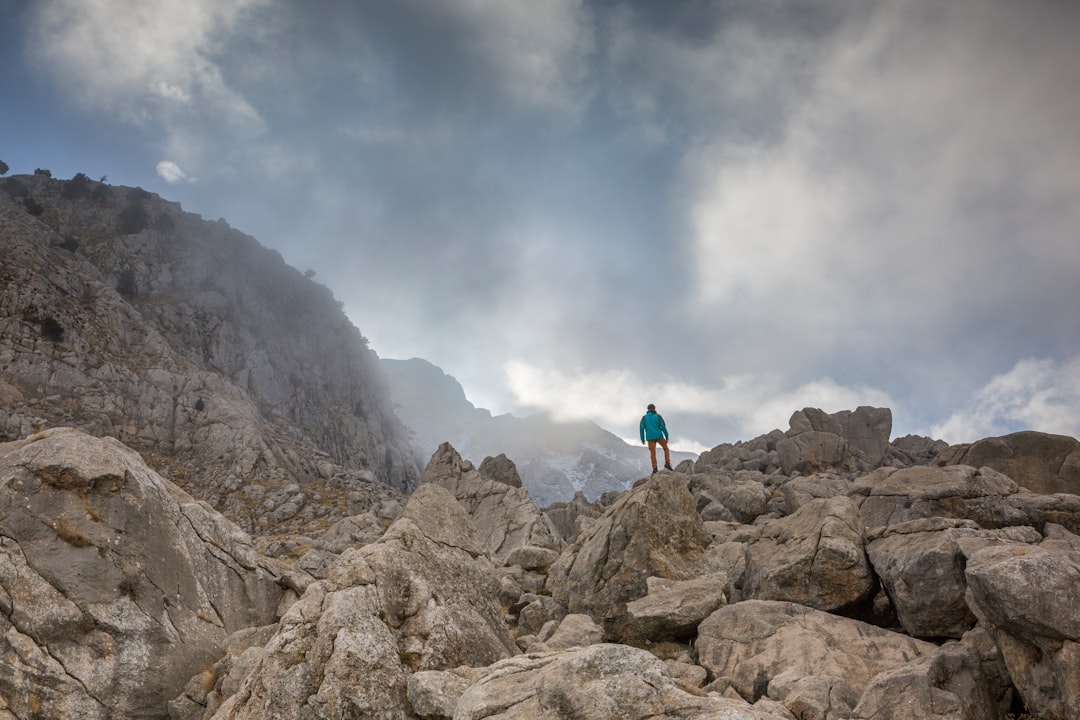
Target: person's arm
663 426
641 429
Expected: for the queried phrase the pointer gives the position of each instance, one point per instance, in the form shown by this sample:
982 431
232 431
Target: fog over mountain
556 458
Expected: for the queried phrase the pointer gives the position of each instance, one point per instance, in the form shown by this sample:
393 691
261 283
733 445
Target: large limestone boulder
1040 462
890 496
765 648
571 518
850 440
598 682
423 597
674 608
814 557
921 566
1025 596
653 530
500 469
504 514
115 585
742 496
811 451
948 684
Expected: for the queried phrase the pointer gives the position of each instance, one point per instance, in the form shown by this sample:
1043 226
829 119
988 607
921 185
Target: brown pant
652 451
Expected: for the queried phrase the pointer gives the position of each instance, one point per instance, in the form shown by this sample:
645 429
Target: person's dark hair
651 407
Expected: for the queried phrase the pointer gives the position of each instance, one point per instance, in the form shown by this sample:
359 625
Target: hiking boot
667 466
654 471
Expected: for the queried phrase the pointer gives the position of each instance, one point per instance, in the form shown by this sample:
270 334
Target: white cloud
754 403
153 63
118 56
538 49
1037 394
172 173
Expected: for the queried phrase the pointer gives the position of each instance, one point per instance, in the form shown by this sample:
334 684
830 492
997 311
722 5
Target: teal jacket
652 426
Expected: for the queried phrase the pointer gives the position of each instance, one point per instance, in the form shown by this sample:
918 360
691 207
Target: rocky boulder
1016 592
814 557
571 518
115 585
504 515
787 651
674 608
921 566
653 530
420 598
500 469
948 684
741 497
1040 462
850 440
598 682
890 496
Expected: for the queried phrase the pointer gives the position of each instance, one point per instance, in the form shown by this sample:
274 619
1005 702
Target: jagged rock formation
1040 462
422 598
555 460
116 585
919 592
505 517
850 441
233 374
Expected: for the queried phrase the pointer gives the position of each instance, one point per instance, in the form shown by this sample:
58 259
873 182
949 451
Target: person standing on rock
653 430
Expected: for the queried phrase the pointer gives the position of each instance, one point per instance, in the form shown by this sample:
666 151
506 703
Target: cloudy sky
731 208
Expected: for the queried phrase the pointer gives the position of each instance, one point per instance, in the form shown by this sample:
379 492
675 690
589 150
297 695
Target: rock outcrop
505 516
1040 462
653 530
593 683
815 557
1016 592
420 599
115 585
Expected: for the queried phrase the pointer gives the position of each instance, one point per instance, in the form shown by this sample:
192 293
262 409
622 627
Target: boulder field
837 578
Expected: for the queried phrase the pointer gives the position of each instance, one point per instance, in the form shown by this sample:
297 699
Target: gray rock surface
651 531
815 557
421 598
921 566
1040 462
504 515
890 496
674 608
750 643
115 585
946 685
1016 593
599 682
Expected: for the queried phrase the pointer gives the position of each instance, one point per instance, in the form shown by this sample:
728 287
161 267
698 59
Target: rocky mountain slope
232 373
555 459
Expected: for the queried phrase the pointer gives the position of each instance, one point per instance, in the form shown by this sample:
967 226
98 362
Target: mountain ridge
555 458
